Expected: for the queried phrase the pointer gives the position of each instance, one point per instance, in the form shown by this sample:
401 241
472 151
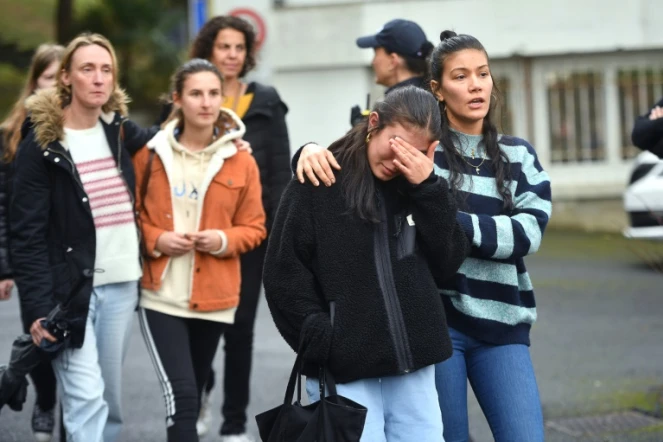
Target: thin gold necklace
477 168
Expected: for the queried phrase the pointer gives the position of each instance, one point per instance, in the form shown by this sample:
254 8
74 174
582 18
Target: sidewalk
598 344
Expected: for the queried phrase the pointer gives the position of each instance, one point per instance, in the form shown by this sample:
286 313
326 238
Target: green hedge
11 83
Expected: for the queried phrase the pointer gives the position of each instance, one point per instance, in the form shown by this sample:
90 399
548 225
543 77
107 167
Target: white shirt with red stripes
117 249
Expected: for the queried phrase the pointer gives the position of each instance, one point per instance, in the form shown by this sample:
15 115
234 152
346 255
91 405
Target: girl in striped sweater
504 195
505 203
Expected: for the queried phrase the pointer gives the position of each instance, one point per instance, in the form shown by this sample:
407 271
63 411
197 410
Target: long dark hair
418 64
412 108
450 43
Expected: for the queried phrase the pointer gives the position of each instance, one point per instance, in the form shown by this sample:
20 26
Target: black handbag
333 418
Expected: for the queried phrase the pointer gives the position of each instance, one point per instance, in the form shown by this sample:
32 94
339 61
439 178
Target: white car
643 198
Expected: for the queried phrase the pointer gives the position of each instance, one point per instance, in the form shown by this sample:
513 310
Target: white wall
320 102
312 42
506 27
311 57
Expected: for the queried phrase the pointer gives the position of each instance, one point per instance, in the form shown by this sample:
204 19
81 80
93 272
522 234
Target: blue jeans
400 408
502 378
89 378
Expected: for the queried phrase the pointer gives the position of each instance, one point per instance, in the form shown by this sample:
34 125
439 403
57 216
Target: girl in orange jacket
200 207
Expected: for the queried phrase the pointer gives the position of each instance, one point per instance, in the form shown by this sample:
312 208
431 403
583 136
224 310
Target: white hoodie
187 172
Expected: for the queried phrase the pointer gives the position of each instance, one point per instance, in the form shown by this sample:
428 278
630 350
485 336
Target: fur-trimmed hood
45 110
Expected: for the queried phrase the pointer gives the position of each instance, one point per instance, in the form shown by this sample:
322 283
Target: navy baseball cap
403 37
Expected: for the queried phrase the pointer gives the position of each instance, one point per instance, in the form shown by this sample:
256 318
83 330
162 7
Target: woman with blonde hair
74 242
41 75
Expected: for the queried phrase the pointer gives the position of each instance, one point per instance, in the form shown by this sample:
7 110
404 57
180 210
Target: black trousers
182 350
238 347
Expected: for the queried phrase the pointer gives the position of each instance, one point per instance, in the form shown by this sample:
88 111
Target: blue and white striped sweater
491 297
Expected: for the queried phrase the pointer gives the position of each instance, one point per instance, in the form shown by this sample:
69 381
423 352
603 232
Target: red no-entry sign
255 19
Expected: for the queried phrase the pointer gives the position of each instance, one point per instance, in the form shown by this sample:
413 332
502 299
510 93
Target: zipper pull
398 223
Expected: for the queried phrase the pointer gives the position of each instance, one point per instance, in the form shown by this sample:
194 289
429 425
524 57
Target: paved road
596 346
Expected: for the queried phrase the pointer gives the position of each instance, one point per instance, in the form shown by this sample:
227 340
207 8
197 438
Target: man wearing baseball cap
400 49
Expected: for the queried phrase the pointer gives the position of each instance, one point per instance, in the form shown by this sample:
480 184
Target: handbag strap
325 378
295 375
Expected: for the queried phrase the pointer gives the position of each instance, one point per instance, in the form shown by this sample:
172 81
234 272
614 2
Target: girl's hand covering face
414 164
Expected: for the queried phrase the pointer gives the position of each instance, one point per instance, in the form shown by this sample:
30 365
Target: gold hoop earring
368 137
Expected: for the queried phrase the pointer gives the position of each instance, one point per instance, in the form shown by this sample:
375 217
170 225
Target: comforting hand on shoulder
317 163
656 113
243 145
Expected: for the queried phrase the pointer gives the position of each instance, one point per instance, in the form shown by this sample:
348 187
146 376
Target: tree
148 36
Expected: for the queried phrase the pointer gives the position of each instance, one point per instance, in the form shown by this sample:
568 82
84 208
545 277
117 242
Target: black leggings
238 347
182 350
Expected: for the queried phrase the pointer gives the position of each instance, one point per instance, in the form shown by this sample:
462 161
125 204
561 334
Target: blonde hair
117 100
43 57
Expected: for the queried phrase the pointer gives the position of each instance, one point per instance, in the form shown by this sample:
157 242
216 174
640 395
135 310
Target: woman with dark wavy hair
505 202
230 44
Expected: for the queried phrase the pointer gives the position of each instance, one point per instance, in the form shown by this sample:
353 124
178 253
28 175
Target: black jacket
6 180
382 277
5 192
419 82
53 237
267 133
648 134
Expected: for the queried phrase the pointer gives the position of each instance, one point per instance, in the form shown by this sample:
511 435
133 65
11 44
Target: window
576 112
503 116
639 90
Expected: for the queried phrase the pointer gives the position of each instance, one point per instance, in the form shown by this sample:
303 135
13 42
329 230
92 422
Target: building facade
573 74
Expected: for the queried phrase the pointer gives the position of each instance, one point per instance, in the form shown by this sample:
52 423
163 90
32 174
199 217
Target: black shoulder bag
332 419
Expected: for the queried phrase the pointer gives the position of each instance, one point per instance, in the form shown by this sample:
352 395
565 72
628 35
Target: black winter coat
5 192
389 315
648 134
268 134
419 82
6 180
53 237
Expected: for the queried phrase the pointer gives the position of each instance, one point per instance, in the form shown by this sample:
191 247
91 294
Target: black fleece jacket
382 277
648 134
